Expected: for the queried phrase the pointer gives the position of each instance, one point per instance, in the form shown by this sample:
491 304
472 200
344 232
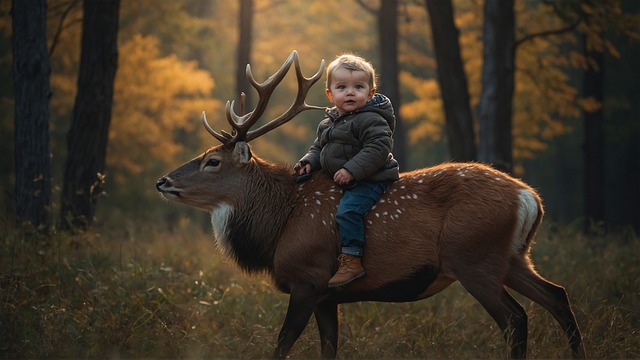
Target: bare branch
56 35
370 9
559 31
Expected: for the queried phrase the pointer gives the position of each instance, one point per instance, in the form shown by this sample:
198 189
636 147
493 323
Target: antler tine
298 106
242 123
222 138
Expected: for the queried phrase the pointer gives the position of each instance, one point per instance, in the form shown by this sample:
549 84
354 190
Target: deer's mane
255 226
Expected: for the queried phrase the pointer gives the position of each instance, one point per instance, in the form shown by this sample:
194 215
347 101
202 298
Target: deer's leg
326 313
504 309
523 279
301 305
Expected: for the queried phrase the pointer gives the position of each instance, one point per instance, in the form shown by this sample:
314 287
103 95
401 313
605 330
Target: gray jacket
360 141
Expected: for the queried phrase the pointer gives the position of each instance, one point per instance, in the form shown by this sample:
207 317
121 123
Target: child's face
349 90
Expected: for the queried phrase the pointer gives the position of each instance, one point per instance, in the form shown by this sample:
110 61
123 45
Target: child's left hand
343 177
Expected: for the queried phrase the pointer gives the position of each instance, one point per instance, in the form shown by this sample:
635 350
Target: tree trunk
452 81
244 52
31 71
495 108
389 86
593 86
87 138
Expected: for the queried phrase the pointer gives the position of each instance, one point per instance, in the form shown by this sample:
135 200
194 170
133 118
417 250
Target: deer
465 222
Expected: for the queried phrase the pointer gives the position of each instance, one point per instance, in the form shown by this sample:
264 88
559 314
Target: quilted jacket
360 141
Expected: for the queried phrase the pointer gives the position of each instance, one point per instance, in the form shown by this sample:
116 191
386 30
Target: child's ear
373 92
329 95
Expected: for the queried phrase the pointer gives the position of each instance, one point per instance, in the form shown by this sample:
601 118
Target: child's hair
354 63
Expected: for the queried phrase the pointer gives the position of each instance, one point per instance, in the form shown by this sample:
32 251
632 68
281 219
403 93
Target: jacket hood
379 103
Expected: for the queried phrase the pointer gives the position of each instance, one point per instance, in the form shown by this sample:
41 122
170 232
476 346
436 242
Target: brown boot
350 269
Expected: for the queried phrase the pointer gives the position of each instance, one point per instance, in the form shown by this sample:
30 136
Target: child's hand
343 177
302 169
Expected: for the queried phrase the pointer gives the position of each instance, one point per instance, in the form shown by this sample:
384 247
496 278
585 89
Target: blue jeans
355 204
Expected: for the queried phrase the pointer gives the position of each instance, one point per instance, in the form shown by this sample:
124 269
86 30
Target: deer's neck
248 231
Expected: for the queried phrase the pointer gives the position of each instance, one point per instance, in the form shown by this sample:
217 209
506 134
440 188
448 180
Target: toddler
353 144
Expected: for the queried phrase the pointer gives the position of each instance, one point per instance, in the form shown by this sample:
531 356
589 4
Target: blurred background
100 98
557 106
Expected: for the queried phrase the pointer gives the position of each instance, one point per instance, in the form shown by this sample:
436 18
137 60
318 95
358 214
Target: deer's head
216 176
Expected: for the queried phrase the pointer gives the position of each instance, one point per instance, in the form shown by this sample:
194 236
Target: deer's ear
241 152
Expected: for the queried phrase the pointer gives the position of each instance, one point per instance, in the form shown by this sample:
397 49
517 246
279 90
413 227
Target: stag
463 222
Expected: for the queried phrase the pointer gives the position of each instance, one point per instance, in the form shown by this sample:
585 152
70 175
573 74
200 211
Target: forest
98 99
579 149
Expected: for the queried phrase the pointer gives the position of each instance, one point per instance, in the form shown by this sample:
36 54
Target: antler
242 124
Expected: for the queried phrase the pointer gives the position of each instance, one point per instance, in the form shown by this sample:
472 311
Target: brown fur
434 226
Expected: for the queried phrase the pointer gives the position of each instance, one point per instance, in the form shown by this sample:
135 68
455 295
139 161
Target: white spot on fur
527 214
220 216
318 202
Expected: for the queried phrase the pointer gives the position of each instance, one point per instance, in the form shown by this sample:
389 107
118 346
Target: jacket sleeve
375 135
313 155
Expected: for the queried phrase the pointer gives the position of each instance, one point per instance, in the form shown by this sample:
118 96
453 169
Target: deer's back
426 225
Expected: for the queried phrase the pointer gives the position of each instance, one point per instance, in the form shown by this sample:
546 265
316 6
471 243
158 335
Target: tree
244 51
31 71
87 138
155 119
388 37
387 26
597 23
495 107
593 87
452 81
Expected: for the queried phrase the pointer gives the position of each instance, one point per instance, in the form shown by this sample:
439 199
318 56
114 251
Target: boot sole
332 286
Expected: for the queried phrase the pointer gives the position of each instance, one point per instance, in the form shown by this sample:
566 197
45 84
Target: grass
139 290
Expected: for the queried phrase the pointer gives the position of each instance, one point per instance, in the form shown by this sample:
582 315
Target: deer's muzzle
164 186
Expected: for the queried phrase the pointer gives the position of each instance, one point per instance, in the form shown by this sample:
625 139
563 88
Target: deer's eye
212 163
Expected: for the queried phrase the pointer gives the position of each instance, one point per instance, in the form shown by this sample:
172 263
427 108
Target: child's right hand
301 168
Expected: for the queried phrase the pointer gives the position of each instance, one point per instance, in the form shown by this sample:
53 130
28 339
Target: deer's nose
161 182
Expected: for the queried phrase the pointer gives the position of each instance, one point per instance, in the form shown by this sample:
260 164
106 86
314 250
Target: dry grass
141 291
